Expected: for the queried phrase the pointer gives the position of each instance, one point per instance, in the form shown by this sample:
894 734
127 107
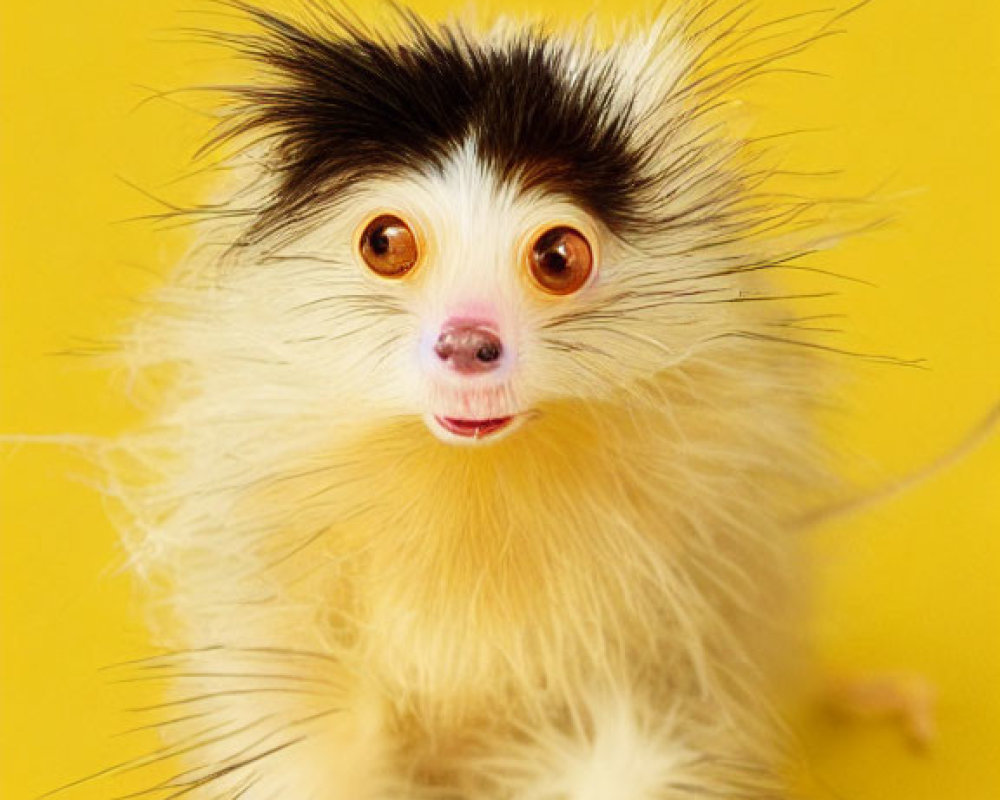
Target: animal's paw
906 698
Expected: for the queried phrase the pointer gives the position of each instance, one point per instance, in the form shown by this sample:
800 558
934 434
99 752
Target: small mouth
458 430
474 428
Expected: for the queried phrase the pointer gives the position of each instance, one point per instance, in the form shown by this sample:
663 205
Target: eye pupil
555 262
379 242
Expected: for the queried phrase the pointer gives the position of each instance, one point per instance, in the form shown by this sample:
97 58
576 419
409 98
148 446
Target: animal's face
477 231
471 302
474 277
481 272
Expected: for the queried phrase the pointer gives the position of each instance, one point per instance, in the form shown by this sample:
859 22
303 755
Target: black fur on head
346 104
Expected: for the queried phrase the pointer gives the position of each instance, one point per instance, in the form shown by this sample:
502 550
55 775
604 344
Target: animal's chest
463 620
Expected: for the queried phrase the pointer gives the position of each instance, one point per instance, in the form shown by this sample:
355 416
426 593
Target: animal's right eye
388 246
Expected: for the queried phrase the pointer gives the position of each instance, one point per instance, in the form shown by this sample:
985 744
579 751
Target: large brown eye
388 246
561 260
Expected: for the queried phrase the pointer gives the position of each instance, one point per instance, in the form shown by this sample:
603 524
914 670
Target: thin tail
849 506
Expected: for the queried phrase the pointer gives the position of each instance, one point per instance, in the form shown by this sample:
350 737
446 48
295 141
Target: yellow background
912 102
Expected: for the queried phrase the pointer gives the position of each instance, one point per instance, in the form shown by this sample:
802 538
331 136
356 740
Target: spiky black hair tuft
346 103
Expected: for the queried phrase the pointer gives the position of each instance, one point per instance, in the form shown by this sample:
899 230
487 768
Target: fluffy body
593 607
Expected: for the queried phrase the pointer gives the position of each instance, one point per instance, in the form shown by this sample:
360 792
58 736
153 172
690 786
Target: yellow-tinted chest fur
632 540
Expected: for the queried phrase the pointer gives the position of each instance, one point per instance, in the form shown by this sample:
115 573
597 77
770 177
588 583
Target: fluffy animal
482 432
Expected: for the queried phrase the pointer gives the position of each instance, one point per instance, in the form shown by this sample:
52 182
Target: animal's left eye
561 260
388 246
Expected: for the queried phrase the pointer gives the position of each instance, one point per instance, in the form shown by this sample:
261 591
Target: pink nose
469 348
